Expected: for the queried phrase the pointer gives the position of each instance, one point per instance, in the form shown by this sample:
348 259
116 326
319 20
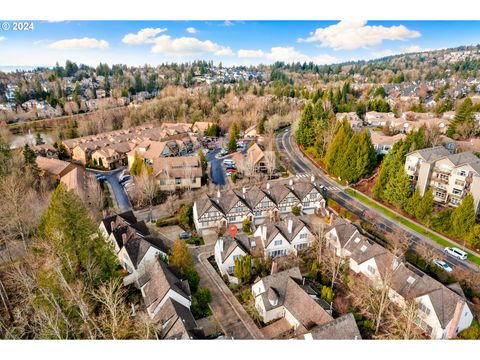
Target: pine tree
39 140
333 159
398 189
29 155
463 217
203 160
413 203
137 165
463 114
425 206
366 156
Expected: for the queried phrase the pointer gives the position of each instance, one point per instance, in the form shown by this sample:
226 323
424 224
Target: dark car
101 178
184 235
125 179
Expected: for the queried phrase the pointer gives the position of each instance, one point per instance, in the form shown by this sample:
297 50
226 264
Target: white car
456 252
444 265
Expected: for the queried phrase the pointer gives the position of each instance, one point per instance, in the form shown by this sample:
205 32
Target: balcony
440 179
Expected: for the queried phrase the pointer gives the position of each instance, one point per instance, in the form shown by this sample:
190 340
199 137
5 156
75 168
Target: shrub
200 308
296 210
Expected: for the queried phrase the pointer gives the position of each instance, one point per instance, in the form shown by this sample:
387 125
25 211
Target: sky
230 42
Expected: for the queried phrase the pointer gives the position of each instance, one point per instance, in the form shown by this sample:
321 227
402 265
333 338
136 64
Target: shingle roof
431 154
176 321
53 166
230 244
342 328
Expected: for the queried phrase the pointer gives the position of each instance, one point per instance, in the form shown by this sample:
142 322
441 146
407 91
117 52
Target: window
277 242
258 213
455 201
462 173
443 176
306 204
300 246
439 194
313 196
178 181
236 257
232 218
274 253
363 248
371 269
231 269
424 309
456 191
303 236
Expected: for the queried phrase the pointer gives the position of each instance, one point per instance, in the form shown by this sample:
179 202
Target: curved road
218 172
118 190
302 164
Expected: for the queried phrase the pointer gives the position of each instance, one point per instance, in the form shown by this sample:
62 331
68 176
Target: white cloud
191 30
351 35
287 54
185 46
146 35
83 43
2 38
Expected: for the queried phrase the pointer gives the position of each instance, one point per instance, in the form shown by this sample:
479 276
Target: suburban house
159 284
250 132
353 119
383 143
212 212
182 172
450 176
45 150
228 249
374 118
135 248
176 322
342 328
285 236
441 312
112 156
200 126
53 168
283 295
255 160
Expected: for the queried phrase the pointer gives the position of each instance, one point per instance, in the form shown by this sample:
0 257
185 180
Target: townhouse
374 118
383 143
450 176
441 312
133 244
212 212
182 172
353 119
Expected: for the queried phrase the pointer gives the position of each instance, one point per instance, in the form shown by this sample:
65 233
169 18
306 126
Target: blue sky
237 42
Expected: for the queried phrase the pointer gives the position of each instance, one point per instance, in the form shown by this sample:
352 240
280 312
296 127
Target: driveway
229 313
119 192
218 172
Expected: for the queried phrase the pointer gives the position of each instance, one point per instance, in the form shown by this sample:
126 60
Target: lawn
408 223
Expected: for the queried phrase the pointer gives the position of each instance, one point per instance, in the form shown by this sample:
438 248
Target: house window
300 246
303 236
277 242
275 253
178 181
424 309
456 191
231 269
439 194
462 173
313 196
258 213
371 269
455 201
443 176
236 257
232 218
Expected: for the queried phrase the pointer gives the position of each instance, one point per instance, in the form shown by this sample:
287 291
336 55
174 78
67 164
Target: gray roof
176 321
230 244
342 328
278 282
431 154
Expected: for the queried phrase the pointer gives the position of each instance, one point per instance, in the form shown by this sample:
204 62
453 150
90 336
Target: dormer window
363 248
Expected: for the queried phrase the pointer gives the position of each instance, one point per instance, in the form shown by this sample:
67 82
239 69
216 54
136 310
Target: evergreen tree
243 269
413 203
333 159
463 217
232 141
29 155
203 160
464 114
366 156
261 125
39 140
66 224
425 207
137 165
305 133
398 189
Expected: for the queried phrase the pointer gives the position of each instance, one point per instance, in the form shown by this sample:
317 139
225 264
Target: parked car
224 152
184 235
99 175
456 252
444 265
231 170
228 162
124 179
101 178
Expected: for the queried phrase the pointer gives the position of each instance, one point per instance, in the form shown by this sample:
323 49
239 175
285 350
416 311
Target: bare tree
148 186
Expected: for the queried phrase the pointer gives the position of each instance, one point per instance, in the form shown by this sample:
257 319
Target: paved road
118 190
229 313
218 172
304 166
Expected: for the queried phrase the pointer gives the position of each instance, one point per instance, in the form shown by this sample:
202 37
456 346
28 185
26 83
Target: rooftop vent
363 248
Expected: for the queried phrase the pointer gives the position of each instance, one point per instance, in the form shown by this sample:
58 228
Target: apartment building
450 176
212 212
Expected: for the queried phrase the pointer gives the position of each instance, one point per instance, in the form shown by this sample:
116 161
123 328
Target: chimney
124 238
274 268
244 190
312 178
112 225
218 194
268 186
290 182
264 233
290 226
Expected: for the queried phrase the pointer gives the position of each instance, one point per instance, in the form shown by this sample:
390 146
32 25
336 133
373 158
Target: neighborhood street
218 172
118 191
301 164
229 313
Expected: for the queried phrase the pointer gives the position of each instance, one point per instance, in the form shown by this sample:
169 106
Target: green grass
438 239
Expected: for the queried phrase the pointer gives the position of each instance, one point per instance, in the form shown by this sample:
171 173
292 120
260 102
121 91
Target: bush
327 294
296 210
200 308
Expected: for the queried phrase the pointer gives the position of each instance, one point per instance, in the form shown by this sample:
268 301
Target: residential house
441 312
212 212
374 118
283 295
342 328
353 119
182 172
176 322
278 238
135 248
53 168
383 143
159 284
199 127
228 249
45 150
450 176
